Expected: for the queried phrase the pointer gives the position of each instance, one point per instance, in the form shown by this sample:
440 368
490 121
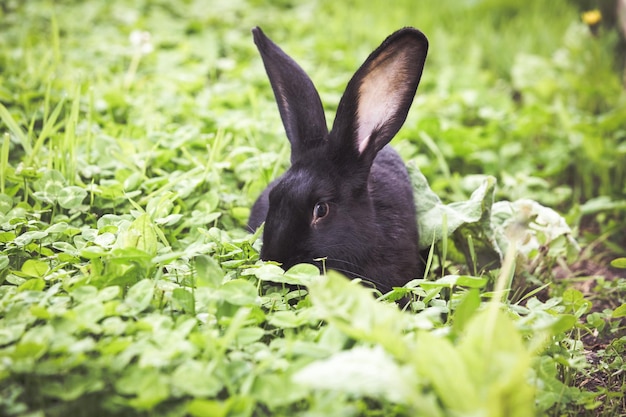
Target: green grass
129 285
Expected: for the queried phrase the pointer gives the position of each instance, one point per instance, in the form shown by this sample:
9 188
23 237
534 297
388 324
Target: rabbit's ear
298 101
379 95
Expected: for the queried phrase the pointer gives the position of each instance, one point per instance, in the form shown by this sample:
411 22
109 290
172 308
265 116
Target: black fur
370 231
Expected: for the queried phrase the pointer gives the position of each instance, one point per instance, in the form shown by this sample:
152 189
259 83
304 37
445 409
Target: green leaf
89 313
141 234
239 292
49 186
4 261
73 386
286 319
93 252
60 227
35 268
28 237
462 221
351 307
9 333
278 389
197 379
619 312
619 263
138 298
443 366
248 335
208 272
301 274
36 284
71 197
465 310
34 343
205 408
185 299
147 386
6 237
6 203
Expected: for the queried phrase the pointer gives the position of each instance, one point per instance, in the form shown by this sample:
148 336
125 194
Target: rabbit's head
346 201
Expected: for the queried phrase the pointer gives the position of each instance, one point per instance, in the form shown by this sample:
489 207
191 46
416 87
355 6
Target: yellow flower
592 17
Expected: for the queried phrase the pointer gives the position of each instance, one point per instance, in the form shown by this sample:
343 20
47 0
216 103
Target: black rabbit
347 197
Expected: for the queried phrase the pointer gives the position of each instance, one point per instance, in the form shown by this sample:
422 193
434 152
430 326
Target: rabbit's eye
320 210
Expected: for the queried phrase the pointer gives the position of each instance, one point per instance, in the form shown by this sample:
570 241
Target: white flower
141 41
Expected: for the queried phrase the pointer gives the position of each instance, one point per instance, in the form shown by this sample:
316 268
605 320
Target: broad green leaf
84 293
35 284
352 308
160 206
106 240
49 186
28 237
277 389
286 319
138 298
498 364
239 292
563 323
71 197
168 220
619 263
141 234
66 248
208 272
600 204
73 386
35 268
301 274
431 211
34 343
463 222
205 408
6 203
9 333
93 252
465 310
59 227
147 386
89 313
440 363
4 261
185 299
267 272
6 237
248 335
619 312
197 379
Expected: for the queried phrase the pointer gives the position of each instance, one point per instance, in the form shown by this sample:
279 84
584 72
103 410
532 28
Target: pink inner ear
363 142
380 94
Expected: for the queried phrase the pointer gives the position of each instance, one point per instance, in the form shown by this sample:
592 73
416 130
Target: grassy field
135 136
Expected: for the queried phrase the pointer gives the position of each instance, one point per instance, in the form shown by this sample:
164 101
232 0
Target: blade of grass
49 128
15 128
4 160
